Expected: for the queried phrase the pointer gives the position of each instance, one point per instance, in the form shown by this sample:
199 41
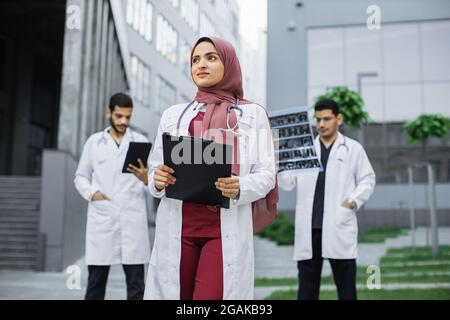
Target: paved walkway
271 261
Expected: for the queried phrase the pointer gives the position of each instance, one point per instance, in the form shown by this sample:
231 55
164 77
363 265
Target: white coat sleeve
261 180
155 159
83 175
287 181
364 179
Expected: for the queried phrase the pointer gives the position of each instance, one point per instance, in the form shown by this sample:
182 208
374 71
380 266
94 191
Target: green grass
431 268
361 279
399 255
401 294
420 251
405 255
265 282
380 235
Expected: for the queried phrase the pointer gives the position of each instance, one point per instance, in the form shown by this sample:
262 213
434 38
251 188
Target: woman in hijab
202 252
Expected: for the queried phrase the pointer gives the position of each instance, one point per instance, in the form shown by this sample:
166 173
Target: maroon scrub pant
201 269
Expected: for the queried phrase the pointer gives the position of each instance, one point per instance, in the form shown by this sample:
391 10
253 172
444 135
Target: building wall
288 27
409 58
166 79
313 44
254 64
94 67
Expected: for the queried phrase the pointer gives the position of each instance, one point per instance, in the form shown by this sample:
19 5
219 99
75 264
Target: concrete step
17 265
26 188
31 181
12 237
18 206
8 252
18 256
18 232
17 246
19 226
19 201
14 194
19 241
26 219
20 187
19 213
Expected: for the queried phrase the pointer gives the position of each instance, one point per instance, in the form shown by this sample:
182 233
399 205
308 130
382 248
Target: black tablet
136 150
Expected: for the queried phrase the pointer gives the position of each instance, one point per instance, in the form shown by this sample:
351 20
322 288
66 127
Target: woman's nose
202 64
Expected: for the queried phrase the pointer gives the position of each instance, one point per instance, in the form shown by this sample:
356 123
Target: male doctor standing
117 230
327 202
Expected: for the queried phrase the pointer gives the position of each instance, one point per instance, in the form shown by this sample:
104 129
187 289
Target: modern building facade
60 61
160 36
401 69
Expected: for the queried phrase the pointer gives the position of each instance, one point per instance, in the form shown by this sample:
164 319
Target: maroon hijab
218 98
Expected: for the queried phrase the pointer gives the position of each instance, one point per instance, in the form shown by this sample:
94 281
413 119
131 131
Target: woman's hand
230 187
163 177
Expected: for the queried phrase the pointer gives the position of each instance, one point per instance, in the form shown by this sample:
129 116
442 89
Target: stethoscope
344 145
229 108
103 138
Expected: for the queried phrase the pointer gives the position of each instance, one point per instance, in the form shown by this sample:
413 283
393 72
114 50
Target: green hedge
281 230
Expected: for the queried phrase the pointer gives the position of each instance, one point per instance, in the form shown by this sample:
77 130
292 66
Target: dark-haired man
117 230
327 202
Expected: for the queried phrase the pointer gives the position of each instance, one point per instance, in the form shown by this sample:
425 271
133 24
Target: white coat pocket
345 217
102 207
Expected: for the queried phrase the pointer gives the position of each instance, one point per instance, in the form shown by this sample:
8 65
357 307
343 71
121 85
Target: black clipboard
196 178
136 150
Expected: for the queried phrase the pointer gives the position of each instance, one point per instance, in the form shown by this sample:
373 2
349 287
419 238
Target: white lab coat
257 178
349 175
117 229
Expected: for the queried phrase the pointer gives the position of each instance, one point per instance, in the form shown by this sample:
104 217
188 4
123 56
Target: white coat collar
128 136
339 140
190 114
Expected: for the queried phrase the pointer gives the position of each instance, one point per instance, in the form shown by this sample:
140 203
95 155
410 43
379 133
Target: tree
421 129
351 105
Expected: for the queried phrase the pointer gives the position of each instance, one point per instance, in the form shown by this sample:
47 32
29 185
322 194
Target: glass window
175 3
206 26
166 39
190 12
185 57
223 10
166 95
140 81
139 17
235 25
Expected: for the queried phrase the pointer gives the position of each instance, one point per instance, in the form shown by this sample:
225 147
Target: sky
253 16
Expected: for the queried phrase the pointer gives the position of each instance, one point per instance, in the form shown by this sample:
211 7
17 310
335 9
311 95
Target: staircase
20 242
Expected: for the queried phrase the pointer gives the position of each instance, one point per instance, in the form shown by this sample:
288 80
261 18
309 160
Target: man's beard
114 126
